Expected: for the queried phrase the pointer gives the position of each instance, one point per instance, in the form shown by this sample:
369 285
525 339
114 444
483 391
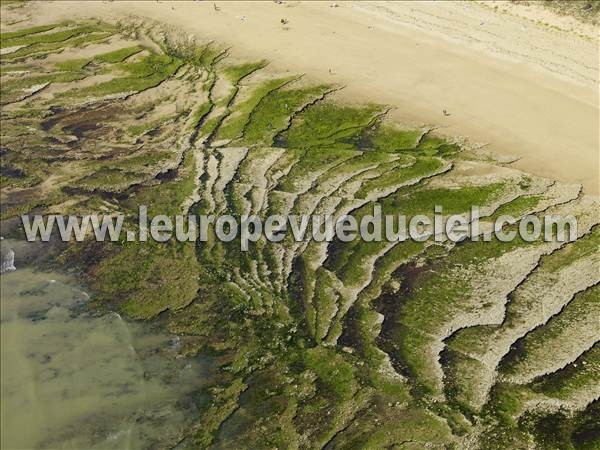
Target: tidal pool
75 380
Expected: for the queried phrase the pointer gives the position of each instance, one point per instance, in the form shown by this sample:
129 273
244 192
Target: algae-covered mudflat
311 344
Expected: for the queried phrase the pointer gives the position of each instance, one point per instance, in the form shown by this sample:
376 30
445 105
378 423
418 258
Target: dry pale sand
519 86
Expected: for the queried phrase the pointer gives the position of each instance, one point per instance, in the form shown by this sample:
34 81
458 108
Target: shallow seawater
74 380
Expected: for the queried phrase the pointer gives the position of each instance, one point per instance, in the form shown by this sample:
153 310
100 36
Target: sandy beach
518 80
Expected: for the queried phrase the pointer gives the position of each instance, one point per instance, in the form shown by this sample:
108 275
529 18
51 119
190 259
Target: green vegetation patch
46 38
237 72
518 206
313 161
167 197
109 179
325 123
146 279
534 345
42 49
581 248
115 56
274 112
234 126
145 74
14 89
150 125
27 31
336 375
391 138
421 168
577 376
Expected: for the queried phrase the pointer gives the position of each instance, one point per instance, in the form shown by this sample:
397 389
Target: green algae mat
318 344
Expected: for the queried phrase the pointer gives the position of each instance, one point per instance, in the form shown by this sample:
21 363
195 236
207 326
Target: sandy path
521 87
